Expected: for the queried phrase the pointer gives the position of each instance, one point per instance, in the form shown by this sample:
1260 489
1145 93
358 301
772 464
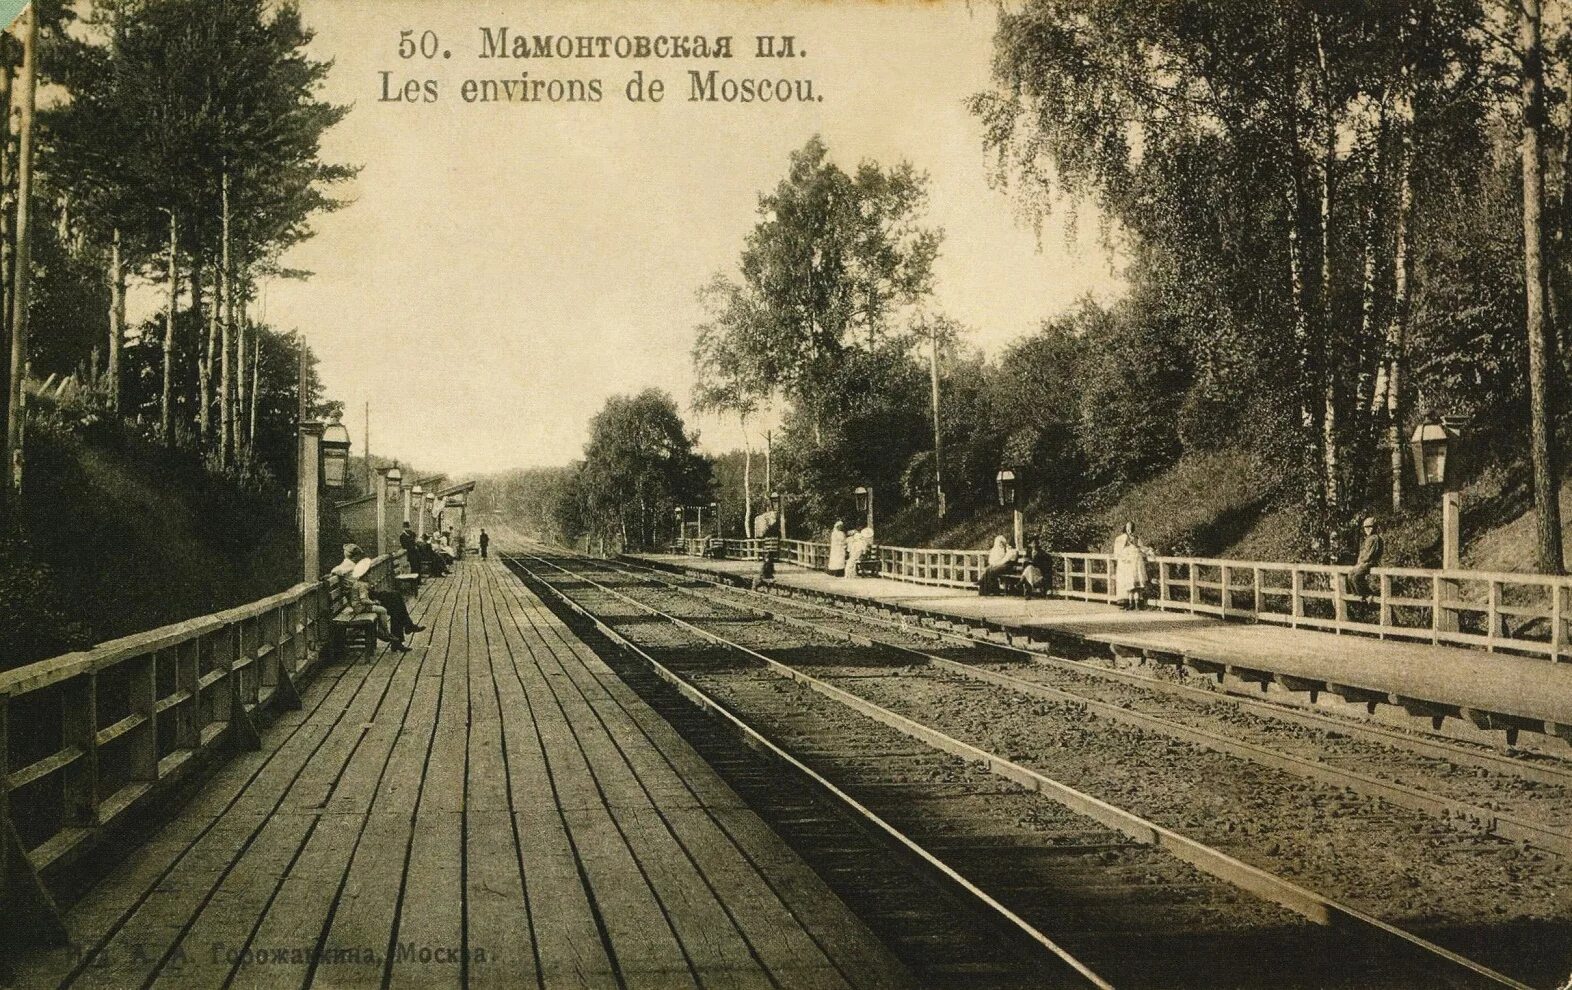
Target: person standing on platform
1370 550
837 562
1130 560
485 543
765 528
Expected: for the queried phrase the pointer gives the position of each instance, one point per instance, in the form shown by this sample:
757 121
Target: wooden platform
1500 690
494 808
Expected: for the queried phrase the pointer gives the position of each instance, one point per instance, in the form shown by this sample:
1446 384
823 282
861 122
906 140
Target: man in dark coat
485 543
1370 550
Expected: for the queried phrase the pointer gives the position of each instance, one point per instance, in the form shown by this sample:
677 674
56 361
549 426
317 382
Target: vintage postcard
785 494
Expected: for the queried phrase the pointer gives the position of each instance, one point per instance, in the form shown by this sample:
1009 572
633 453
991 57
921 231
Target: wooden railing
87 736
1519 613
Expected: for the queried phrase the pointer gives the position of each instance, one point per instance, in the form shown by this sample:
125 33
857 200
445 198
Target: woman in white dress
1130 560
837 561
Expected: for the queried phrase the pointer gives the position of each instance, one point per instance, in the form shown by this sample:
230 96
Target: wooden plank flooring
494 808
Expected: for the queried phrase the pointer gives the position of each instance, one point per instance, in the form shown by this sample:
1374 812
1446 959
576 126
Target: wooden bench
353 630
407 583
868 566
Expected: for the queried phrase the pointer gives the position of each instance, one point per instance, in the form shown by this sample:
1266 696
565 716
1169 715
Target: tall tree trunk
200 317
117 317
1330 363
241 351
167 393
938 446
210 358
226 402
1397 328
1541 421
7 245
26 87
256 378
747 481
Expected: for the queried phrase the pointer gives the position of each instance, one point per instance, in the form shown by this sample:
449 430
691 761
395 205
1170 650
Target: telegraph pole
933 372
26 94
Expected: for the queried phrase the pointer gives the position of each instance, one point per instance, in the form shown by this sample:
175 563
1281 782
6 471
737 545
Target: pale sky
505 268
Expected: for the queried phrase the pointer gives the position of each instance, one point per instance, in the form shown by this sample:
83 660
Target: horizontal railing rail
1518 613
84 737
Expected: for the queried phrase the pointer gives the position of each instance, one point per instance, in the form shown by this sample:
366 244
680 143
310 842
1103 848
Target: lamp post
715 518
335 455
1008 481
407 490
864 494
682 523
417 498
1439 448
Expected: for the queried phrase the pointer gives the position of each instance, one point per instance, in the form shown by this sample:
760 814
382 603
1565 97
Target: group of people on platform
1032 566
847 551
393 622
430 556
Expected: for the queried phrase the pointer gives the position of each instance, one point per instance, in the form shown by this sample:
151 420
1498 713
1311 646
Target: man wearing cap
1370 548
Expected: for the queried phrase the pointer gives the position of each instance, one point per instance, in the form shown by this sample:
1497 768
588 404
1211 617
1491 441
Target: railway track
1137 903
1517 800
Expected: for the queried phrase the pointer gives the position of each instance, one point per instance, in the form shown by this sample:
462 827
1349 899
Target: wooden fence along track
1308 903
88 737
1527 614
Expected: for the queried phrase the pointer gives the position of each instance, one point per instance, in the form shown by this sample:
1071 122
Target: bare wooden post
307 497
379 492
25 98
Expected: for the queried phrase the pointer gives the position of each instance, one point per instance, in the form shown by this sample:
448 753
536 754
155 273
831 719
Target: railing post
1227 582
143 690
79 728
1255 582
189 722
1557 620
1493 616
1437 623
1385 618
1334 581
1296 596
1195 588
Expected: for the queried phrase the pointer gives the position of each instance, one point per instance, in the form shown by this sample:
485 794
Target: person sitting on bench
1000 562
430 560
390 600
391 625
1034 576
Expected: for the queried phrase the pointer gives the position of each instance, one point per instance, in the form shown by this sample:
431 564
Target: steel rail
757 739
1509 827
1314 906
1280 709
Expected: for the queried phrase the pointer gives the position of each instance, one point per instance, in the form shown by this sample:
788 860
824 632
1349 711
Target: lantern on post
1439 451
1008 481
682 523
394 483
335 454
864 495
417 501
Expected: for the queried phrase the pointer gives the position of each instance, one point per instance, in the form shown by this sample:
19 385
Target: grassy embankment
116 535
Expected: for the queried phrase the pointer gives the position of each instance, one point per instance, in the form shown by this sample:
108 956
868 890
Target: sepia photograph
776 494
